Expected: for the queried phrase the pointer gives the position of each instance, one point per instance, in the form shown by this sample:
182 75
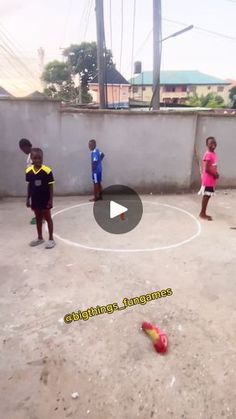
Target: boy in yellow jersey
40 195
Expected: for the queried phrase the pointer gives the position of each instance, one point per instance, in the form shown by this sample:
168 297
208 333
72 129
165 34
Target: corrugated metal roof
112 77
178 77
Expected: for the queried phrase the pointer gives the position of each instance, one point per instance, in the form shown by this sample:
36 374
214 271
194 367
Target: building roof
232 82
178 77
4 93
36 95
112 77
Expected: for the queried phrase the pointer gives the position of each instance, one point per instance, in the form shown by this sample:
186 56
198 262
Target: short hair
210 138
24 143
37 150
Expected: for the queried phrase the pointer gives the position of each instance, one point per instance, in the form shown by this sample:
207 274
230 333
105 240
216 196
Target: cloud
8 7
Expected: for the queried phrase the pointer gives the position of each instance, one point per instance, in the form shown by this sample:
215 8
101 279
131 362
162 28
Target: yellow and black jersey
39 185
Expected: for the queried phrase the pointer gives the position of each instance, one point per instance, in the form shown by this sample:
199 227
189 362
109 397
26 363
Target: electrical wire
121 35
143 43
88 19
15 68
7 42
232 38
121 39
111 40
133 36
64 31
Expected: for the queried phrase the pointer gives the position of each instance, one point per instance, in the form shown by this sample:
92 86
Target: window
209 87
169 88
220 88
135 89
143 88
192 89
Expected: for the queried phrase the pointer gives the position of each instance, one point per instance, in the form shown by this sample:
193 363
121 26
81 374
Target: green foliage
56 72
211 100
232 93
232 96
82 60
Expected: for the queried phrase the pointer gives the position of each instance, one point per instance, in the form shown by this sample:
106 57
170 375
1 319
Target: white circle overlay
140 250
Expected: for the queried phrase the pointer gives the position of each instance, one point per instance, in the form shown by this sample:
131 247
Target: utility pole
156 54
101 52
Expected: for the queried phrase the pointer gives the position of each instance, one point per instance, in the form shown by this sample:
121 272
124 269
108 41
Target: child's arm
211 170
28 196
102 156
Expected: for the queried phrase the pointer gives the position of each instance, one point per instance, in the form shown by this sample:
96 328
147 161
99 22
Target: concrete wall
147 151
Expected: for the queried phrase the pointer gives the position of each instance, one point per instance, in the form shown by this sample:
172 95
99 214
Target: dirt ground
108 360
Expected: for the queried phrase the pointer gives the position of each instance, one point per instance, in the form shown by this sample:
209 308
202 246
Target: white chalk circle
139 250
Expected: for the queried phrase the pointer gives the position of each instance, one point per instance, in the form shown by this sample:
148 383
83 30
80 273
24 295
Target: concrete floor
107 359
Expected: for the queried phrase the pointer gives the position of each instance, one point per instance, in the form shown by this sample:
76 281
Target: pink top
207 179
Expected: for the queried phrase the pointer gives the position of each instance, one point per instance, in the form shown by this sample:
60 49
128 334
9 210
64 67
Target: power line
133 35
122 30
84 13
199 28
110 18
66 22
16 69
88 18
143 43
7 41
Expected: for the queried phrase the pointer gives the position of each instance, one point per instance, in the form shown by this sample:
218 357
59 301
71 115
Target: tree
59 82
82 60
56 72
232 96
211 100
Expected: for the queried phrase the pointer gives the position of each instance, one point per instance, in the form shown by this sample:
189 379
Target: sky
25 26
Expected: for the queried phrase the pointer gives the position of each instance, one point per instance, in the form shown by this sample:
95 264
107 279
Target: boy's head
92 145
37 157
25 145
211 143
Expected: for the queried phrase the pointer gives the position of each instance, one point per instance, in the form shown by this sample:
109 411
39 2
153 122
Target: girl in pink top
209 176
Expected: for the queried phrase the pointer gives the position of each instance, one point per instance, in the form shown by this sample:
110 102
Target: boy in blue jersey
96 162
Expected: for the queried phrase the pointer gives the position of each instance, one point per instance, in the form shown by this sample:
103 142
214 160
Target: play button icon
116 209
119 211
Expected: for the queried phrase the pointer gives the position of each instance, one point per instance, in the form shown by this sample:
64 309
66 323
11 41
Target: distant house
36 95
177 86
4 93
117 89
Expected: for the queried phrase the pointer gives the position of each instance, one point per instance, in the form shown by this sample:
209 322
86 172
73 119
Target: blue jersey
96 161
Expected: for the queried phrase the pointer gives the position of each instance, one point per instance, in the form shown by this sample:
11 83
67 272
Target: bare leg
48 218
100 191
203 214
39 222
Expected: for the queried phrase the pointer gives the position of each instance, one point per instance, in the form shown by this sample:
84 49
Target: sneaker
34 222
50 244
36 242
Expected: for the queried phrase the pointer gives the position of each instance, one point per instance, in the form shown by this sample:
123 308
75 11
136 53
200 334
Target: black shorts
39 202
207 191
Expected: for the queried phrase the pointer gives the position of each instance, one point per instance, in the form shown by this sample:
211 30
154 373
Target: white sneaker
50 244
36 242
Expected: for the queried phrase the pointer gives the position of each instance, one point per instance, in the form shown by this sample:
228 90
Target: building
177 86
4 93
37 95
117 89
